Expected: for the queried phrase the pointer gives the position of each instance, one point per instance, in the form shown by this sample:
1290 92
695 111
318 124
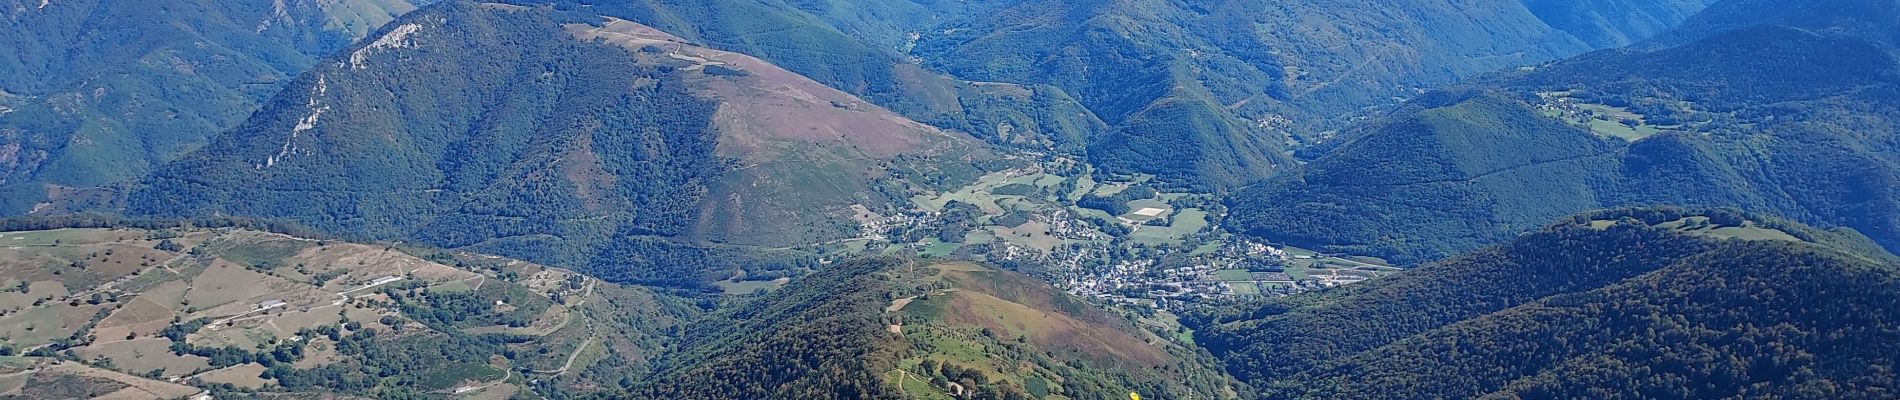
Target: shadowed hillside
1643 302
1781 117
93 92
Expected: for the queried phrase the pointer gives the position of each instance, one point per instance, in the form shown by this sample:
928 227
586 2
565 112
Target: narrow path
570 359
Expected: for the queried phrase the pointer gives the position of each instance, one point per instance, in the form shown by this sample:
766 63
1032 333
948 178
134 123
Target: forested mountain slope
1791 120
1204 95
1614 23
93 92
1863 19
1207 93
852 46
1641 302
564 138
1211 115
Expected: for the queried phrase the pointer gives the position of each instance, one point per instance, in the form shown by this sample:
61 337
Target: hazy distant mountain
1639 303
1204 95
1792 120
1169 89
93 92
1207 93
1614 23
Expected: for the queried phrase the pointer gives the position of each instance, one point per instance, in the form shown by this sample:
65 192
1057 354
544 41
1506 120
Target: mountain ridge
1771 118
1544 287
655 143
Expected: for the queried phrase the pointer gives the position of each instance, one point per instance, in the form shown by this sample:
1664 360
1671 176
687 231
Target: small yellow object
1134 396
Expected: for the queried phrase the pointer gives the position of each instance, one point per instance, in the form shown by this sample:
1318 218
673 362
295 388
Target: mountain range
653 143
985 199
1785 116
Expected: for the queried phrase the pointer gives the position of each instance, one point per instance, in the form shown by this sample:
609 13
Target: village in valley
1117 242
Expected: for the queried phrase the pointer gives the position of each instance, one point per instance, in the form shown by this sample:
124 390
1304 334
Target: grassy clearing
138 316
225 283
976 193
1090 212
932 247
948 348
1245 288
1186 223
268 252
1296 252
978 236
41 325
63 237
1751 233
450 287
145 354
1298 273
1205 248
1620 131
241 375
1607 121
1172 323
1150 203
1034 234
846 247
1700 226
1233 275
747 287
1048 180
35 291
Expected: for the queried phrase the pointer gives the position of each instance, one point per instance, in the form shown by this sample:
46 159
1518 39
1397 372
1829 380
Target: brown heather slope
905 328
800 146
